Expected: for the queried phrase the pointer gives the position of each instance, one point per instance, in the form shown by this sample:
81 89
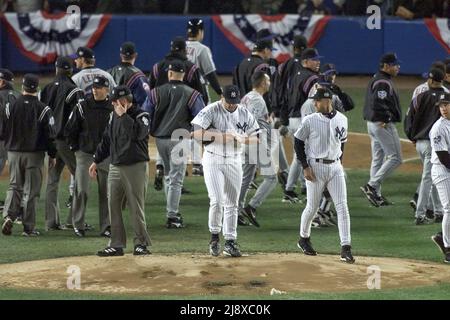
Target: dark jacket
172 106
282 82
87 123
125 138
422 114
61 95
7 95
382 102
127 74
192 77
29 126
298 92
242 74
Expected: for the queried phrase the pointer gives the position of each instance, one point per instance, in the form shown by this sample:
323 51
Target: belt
325 161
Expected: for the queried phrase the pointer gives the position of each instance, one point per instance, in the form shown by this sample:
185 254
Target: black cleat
383 201
413 202
447 256
422 221
69 201
175 222
185 191
110 252
141 250
7 226
231 249
290 197
429 214
282 179
438 218
159 175
106 233
250 213
371 195
346 254
79 233
305 245
197 170
241 220
439 241
31 233
214 248
327 218
318 223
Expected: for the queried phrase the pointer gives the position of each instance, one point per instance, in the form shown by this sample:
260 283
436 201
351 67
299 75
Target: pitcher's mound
257 274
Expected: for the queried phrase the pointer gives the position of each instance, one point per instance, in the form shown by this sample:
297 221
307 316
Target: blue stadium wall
346 42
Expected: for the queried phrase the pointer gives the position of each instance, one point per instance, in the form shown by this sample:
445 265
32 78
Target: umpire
381 111
172 107
125 140
61 95
126 73
26 117
7 95
84 131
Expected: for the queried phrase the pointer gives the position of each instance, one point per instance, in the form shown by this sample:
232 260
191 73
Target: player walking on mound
319 144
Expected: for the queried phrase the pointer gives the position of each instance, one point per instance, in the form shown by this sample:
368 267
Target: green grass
386 231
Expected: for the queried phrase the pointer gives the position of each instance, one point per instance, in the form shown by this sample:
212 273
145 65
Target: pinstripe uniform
222 164
440 141
323 138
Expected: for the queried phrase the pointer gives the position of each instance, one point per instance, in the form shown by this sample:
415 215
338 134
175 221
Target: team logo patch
145 121
51 121
437 139
340 132
382 94
243 127
233 94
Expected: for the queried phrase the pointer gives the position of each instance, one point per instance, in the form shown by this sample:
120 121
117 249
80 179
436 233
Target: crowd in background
406 9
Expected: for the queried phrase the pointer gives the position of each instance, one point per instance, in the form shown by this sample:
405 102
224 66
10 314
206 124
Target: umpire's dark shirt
382 102
298 92
422 114
61 95
125 138
28 126
192 77
7 94
282 82
242 75
87 123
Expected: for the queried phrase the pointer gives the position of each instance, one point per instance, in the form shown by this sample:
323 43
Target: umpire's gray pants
81 191
386 152
25 181
64 157
128 181
174 158
296 169
3 156
424 150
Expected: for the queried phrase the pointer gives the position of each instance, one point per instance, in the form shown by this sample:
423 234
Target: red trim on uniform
434 30
235 41
318 31
274 18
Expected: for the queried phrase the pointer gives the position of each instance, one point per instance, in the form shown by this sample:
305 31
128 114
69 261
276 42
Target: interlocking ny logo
233 94
243 127
340 132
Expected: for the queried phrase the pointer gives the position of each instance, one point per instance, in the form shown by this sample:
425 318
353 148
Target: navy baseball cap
324 80
328 69
128 49
178 44
120 92
300 42
444 98
30 82
436 75
64 63
264 34
177 66
6 75
390 58
311 54
232 94
194 25
100 82
83 52
322 93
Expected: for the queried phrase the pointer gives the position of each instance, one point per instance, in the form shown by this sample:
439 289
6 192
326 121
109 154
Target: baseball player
267 153
126 73
85 61
200 55
381 111
84 130
125 140
421 116
224 124
440 171
172 106
425 86
61 95
290 112
30 118
319 147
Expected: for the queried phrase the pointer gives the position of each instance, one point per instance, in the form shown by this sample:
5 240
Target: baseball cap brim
73 56
233 100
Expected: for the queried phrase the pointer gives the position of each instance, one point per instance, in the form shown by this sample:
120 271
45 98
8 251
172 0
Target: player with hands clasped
319 144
